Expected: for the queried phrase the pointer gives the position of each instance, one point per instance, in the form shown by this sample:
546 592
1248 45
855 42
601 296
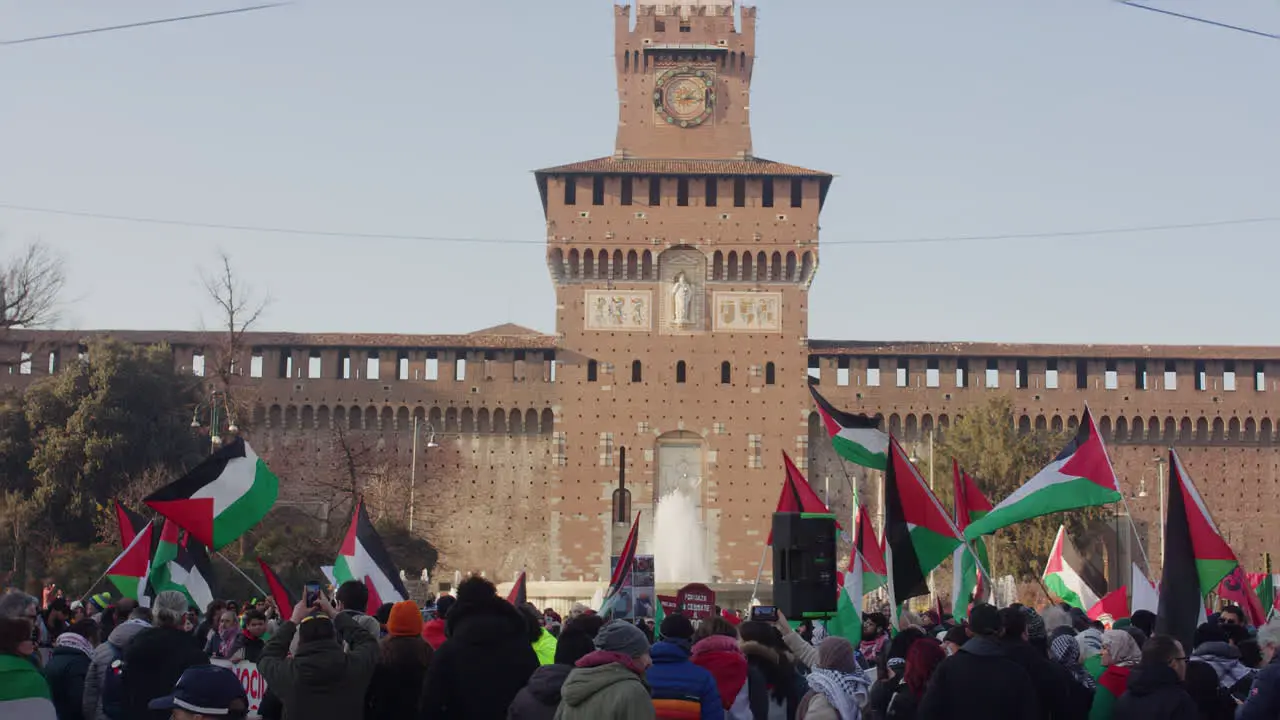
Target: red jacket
721 656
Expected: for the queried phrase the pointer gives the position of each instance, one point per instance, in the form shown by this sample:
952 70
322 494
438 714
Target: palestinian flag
519 594
797 496
1114 604
129 570
1064 575
129 522
622 571
869 553
856 438
918 531
1143 591
847 622
364 558
222 498
284 599
181 563
1196 557
967 577
1266 587
1080 476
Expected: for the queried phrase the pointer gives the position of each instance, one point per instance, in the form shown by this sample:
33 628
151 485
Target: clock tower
682 264
684 80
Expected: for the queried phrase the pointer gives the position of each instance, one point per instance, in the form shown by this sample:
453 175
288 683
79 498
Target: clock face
685 96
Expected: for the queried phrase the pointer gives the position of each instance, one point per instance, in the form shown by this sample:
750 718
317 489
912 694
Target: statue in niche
681 300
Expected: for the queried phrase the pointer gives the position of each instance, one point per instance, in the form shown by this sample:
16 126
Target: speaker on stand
804 565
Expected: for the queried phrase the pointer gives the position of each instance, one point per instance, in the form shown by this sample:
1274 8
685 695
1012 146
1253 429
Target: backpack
113 685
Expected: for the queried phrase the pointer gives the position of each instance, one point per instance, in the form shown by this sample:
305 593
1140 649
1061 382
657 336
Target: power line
280 230
127 26
1205 21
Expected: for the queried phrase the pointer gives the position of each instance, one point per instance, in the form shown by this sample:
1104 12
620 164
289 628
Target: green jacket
545 648
320 680
23 690
604 692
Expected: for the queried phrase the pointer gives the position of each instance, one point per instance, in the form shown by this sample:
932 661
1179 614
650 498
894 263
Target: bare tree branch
239 310
30 285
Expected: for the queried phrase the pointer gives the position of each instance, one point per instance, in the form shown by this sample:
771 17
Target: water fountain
679 538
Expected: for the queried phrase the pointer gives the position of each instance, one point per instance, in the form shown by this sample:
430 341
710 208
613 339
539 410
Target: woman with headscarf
923 658
1065 651
1120 654
837 687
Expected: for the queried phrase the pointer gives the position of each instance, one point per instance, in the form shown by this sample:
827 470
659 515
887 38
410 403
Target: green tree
117 415
988 445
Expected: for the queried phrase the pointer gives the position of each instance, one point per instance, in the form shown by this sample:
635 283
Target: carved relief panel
629 311
748 312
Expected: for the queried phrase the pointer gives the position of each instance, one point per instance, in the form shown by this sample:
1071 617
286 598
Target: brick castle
682 264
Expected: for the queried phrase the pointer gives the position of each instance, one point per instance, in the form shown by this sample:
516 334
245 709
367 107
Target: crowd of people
474 656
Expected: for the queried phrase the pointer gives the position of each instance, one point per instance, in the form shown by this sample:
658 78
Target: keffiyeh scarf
1066 651
72 640
840 689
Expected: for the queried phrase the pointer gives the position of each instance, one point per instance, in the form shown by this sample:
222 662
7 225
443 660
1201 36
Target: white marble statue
681 300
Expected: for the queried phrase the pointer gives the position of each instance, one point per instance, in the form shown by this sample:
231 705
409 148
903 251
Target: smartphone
764 613
311 593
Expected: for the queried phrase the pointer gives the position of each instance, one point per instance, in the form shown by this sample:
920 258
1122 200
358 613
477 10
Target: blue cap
204 689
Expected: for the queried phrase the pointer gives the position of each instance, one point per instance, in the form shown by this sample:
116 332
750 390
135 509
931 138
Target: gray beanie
621 636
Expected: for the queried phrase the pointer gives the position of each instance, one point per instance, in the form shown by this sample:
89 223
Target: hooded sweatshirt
102 657
1155 692
721 656
601 689
539 699
321 680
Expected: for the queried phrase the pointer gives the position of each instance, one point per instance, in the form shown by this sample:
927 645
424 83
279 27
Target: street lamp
217 401
413 468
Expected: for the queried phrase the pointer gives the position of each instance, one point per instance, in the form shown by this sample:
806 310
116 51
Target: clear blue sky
940 118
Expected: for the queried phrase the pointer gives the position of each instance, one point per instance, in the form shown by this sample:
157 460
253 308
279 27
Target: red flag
284 599
797 496
1236 589
519 594
1114 603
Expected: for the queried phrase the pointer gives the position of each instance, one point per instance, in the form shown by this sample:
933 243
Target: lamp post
413 467
216 398
1160 485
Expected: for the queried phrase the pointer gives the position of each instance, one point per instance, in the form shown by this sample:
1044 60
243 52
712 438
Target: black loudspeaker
804 565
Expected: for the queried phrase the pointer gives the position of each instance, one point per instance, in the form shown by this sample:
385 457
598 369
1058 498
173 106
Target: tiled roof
641 166
502 337
1044 350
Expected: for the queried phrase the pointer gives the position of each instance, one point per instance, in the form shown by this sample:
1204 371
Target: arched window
680 371
770 374
592 370
717 265
636 371
589 264
726 373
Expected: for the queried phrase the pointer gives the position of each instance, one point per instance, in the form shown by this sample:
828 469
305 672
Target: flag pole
759 571
95 584
246 577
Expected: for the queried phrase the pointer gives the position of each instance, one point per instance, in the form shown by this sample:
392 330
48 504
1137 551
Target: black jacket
320 680
539 699
484 662
1052 681
1155 693
153 662
980 682
65 673
396 689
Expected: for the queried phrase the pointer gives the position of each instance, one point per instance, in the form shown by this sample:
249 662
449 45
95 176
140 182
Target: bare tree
30 285
239 309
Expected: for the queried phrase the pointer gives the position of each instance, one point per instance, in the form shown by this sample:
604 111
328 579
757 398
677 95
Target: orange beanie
405 620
